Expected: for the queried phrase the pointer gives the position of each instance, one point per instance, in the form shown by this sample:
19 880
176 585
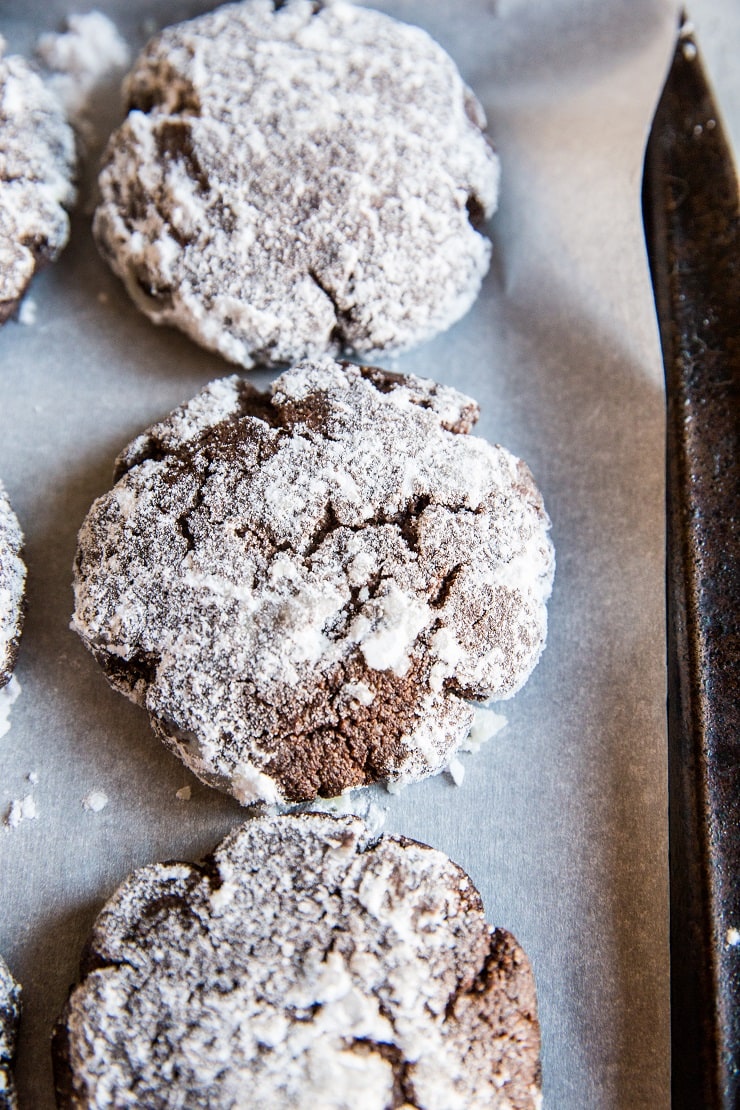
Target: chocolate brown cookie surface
12 587
301 966
298 178
306 590
37 157
10 1016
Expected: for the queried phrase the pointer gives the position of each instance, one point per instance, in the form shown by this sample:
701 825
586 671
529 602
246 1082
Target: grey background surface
561 818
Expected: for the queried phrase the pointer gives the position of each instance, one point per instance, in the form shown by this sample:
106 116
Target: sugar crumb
733 937
27 312
21 809
8 696
456 771
486 725
95 801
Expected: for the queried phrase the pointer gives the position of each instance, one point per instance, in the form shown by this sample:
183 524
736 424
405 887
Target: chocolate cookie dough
298 178
12 587
10 1016
37 157
308 589
301 966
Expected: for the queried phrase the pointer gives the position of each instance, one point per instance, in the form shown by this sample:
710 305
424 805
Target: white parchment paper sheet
561 819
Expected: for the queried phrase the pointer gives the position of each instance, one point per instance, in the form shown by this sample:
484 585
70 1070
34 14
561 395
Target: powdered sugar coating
37 156
10 1015
306 589
298 178
12 587
301 967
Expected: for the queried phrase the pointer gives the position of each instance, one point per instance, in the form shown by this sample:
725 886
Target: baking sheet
561 818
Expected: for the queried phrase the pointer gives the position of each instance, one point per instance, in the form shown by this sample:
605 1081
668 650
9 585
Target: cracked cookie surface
307 589
301 966
12 587
298 178
10 1016
37 159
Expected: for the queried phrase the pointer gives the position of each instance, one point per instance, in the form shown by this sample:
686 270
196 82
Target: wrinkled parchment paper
561 818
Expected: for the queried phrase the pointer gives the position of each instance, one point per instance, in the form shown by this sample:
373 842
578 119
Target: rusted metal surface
690 203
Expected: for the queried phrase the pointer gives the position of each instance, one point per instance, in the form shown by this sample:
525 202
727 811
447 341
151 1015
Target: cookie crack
403 1094
94 961
134 674
148 98
259 405
174 139
445 587
182 522
328 524
476 213
157 297
405 520
316 7
385 381
183 526
484 977
342 316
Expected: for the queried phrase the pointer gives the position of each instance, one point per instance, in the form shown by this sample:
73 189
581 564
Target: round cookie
301 966
12 586
37 158
307 589
298 178
10 1016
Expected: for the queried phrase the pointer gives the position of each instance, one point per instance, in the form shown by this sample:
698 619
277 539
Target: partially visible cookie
301 967
309 589
298 178
37 157
12 587
10 1016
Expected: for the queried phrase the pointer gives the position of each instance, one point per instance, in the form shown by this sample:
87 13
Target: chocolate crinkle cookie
10 1016
309 589
37 162
298 178
12 587
301 966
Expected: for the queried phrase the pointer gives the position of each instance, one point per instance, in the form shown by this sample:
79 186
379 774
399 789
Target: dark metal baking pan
690 204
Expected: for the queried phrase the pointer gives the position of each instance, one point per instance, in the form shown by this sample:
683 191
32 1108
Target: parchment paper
561 818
